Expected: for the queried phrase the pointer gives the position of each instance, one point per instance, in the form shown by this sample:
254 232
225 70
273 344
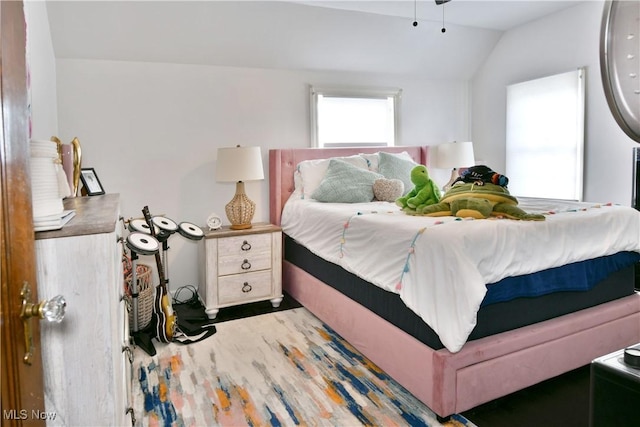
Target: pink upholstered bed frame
484 369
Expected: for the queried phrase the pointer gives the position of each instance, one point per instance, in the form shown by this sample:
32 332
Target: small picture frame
90 182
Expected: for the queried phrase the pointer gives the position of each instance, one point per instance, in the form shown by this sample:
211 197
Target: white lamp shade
454 155
239 164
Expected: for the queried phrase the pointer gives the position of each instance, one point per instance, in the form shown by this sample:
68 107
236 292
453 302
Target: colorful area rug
279 369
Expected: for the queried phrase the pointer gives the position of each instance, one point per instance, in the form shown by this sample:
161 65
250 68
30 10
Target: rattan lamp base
240 209
454 176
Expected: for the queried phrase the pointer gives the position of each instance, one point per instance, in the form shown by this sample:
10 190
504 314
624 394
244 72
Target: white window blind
351 117
545 136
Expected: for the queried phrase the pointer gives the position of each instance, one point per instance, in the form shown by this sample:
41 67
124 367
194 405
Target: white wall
42 72
561 42
151 130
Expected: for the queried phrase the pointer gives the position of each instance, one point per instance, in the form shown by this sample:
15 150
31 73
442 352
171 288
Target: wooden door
22 384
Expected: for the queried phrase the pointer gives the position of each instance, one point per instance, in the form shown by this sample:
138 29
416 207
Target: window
351 117
545 136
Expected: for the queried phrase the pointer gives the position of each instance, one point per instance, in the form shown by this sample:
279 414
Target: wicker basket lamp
239 164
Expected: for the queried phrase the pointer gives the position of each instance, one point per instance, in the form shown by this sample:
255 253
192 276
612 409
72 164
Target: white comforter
440 266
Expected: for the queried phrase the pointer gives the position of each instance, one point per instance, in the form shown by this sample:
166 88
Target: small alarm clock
214 222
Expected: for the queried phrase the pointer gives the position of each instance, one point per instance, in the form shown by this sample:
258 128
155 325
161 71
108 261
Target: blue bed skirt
579 276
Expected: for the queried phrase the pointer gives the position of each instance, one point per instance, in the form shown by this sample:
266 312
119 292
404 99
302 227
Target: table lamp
239 164
454 155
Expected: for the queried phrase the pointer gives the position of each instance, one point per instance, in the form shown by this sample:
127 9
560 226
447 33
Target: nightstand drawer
243 246
239 287
238 264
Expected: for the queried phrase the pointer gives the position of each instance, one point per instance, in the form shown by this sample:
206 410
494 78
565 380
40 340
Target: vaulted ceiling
350 36
493 15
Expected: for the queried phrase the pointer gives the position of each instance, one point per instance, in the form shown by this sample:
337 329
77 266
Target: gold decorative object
74 179
58 146
64 189
77 164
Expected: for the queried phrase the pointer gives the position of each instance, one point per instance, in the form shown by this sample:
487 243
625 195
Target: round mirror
620 63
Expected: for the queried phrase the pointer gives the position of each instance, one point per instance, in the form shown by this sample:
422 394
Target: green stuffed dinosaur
478 200
424 193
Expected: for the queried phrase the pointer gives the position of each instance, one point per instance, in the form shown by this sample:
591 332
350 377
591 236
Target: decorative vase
77 164
67 165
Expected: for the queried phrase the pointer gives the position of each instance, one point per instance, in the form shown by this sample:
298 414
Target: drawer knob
246 246
133 416
129 353
245 265
246 287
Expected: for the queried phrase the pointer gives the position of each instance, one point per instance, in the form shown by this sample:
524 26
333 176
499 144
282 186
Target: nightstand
614 391
242 266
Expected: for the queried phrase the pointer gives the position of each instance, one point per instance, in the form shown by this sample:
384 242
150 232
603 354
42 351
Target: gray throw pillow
395 167
345 183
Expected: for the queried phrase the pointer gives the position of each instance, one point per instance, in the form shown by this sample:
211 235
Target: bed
497 357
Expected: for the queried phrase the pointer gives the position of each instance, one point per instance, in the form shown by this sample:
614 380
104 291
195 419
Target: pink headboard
283 162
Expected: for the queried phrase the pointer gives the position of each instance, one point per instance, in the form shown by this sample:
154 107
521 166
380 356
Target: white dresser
87 372
242 266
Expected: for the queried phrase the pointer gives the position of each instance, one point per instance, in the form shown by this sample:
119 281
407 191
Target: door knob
52 310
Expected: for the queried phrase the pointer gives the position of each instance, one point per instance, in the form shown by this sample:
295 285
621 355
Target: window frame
515 124
353 92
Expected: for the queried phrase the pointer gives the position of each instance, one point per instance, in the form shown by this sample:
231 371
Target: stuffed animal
478 200
424 193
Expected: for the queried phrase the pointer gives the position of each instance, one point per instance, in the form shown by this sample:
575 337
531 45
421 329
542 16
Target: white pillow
310 173
374 159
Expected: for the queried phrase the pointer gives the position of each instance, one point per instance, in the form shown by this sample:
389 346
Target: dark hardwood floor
559 402
254 309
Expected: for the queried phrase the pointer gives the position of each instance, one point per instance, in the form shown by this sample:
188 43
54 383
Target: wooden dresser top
94 215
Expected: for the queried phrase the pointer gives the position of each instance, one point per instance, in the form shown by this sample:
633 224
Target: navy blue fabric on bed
579 276
492 318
